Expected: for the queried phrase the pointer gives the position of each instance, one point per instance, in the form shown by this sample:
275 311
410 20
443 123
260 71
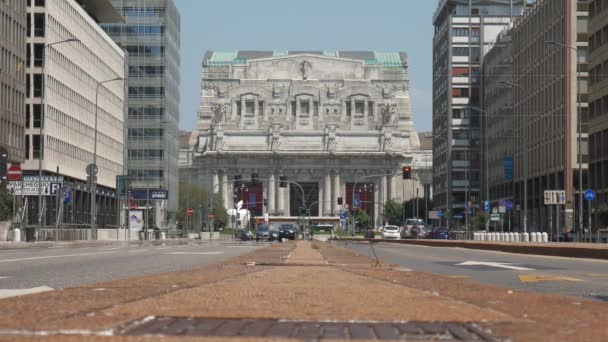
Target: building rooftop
387 59
101 11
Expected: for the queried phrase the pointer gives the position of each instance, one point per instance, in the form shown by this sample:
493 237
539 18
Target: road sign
458 216
502 209
92 170
495 210
440 214
469 212
433 215
509 205
189 211
343 215
28 185
589 194
486 206
356 203
67 195
14 173
553 197
211 216
150 194
469 204
495 217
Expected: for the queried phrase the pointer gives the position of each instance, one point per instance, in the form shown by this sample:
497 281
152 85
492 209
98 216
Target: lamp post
580 132
525 164
42 124
93 174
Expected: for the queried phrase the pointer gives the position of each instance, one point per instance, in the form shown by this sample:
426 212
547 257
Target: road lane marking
458 276
531 278
506 265
54 256
137 250
194 253
597 275
3 277
6 293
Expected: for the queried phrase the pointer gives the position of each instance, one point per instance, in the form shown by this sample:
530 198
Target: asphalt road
573 277
68 266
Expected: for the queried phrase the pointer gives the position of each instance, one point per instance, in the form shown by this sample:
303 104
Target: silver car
413 228
391 232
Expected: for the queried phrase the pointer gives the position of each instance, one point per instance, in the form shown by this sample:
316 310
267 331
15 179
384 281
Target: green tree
195 197
363 219
478 222
393 212
219 211
6 205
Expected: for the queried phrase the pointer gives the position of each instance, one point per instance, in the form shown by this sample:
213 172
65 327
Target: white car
391 232
414 228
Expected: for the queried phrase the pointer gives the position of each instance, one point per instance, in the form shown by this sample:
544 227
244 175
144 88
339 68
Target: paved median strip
6 293
193 253
531 278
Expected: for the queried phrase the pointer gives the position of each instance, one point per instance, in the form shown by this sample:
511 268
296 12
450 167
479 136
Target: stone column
234 113
327 195
271 193
256 107
365 110
281 201
393 187
377 206
216 182
288 200
311 108
298 108
224 187
383 193
337 193
321 197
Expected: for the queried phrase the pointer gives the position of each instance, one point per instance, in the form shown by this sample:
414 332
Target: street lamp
525 164
42 124
580 131
94 170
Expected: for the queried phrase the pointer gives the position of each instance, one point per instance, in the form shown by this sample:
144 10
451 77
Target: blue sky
381 25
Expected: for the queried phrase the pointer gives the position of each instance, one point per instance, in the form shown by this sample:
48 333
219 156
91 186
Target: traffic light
282 182
407 172
254 178
339 200
237 181
3 161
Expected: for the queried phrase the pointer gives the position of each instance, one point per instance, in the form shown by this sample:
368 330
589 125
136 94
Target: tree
6 205
219 211
393 213
363 219
195 197
478 222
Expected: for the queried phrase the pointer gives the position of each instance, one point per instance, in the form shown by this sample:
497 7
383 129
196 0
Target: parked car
391 232
413 227
441 233
274 235
244 235
263 233
287 231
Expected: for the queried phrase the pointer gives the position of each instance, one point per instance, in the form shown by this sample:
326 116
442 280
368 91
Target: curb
549 250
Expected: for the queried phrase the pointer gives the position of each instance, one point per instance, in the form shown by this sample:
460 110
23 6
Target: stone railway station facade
322 119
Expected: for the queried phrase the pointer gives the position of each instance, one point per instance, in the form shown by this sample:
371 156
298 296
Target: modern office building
151 38
68 58
12 78
598 100
547 97
313 126
464 31
499 141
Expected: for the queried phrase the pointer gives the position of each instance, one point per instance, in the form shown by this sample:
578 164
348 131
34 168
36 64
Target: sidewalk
301 291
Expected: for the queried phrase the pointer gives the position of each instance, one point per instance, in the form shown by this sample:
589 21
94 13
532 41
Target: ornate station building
309 125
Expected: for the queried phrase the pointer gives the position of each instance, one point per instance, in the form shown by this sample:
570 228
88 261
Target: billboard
136 219
508 168
151 194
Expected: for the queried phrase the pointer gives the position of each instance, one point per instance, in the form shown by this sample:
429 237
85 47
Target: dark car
287 231
274 235
263 233
244 235
441 233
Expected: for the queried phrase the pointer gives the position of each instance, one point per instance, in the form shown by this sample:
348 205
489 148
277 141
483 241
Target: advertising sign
508 168
140 194
28 186
136 219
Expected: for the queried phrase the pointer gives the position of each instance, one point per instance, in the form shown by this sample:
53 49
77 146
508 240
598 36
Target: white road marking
6 293
137 250
54 256
110 249
3 277
195 253
495 264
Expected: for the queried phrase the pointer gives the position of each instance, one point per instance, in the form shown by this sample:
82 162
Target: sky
377 25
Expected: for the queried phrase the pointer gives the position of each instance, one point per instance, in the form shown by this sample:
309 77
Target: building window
249 108
27 146
460 51
38 85
37 115
304 107
348 109
460 72
371 108
39 24
460 92
38 54
359 107
28 119
36 145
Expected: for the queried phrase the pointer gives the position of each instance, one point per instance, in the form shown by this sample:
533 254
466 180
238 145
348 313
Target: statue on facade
389 114
278 90
330 138
219 113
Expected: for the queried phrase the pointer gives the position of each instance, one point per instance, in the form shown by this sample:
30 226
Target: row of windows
145 154
598 38
145 50
145 133
146 173
138 92
11 134
598 108
37 3
141 11
598 73
146 71
146 112
134 29
596 7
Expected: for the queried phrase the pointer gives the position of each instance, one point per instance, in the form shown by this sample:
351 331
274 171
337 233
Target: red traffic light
407 172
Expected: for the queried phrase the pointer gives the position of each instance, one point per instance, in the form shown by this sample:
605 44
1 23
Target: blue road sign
356 203
509 205
343 215
590 195
486 206
440 214
67 196
458 216
469 212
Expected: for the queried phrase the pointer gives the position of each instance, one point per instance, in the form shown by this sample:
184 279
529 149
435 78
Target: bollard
501 236
163 236
512 237
525 237
507 237
490 236
545 237
517 237
533 237
16 235
484 236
